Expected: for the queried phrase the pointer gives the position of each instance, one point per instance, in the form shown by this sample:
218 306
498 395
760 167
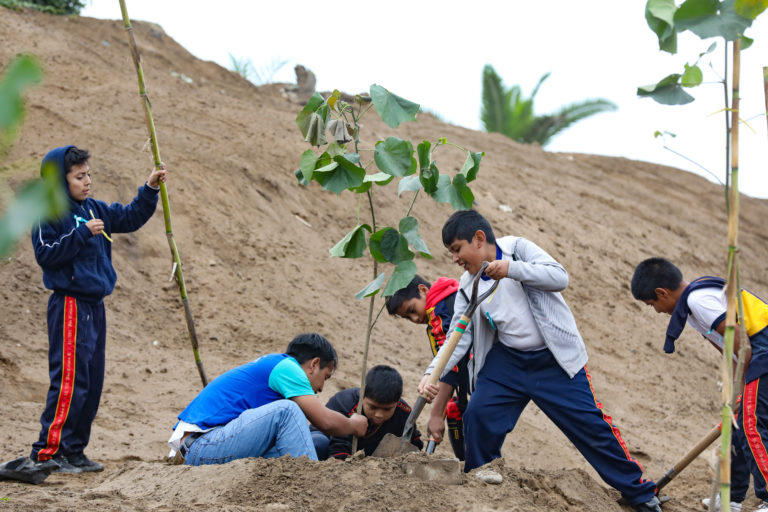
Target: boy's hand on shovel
427 390
436 427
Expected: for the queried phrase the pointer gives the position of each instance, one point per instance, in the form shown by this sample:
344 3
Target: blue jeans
321 442
269 431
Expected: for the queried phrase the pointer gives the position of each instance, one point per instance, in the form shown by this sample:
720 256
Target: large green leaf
372 288
345 175
409 183
392 108
667 91
42 199
692 76
380 178
409 228
457 194
353 244
303 119
471 165
425 154
394 247
429 178
750 8
401 277
660 15
307 164
395 156
710 18
22 72
316 130
336 149
388 245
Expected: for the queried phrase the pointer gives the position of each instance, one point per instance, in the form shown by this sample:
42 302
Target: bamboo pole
765 91
163 194
732 289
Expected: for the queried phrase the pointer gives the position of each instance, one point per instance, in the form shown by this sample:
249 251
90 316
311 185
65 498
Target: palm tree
507 111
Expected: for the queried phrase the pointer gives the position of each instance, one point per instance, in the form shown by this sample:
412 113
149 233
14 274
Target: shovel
445 354
688 458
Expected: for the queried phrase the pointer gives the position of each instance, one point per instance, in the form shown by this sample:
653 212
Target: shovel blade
392 446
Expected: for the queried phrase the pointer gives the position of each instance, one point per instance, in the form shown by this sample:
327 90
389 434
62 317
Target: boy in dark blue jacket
383 407
75 254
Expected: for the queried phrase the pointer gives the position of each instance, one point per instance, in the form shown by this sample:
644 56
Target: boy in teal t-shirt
260 409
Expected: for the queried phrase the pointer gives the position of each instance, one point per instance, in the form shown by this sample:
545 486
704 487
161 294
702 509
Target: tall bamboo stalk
163 194
765 91
732 288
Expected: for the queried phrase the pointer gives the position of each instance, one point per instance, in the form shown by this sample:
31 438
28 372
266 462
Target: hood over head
56 157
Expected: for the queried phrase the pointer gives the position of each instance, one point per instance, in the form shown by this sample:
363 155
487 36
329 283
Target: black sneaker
64 465
652 505
85 464
25 469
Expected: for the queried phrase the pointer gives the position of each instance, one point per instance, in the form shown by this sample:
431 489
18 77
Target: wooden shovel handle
447 350
688 458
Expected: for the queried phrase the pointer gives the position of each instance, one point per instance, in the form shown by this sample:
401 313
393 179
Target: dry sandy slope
255 250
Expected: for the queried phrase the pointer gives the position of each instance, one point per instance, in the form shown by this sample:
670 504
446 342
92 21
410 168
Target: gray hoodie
542 278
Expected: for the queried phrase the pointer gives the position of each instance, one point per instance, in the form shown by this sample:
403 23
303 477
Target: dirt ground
254 245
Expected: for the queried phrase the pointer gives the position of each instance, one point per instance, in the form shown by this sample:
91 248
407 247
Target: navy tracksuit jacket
77 267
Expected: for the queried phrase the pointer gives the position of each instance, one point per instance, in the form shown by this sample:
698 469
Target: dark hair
75 156
383 384
411 291
310 345
463 225
654 273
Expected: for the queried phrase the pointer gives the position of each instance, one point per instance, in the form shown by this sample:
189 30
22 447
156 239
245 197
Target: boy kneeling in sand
260 409
382 405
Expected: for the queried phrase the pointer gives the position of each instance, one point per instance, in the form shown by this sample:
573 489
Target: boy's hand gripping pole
447 351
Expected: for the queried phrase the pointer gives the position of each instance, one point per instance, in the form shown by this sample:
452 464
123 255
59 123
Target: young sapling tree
341 166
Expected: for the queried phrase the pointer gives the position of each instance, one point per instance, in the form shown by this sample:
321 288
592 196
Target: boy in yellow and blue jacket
702 305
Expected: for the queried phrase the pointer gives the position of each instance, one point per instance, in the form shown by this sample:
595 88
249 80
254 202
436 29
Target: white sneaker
763 507
735 507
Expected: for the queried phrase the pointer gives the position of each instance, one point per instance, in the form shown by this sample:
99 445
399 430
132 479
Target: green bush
49 6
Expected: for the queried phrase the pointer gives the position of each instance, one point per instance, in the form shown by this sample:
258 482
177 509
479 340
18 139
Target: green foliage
508 111
43 197
259 76
22 72
340 168
240 67
706 19
49 6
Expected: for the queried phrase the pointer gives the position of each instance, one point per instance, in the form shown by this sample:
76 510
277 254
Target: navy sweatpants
76 345
749 442
510 379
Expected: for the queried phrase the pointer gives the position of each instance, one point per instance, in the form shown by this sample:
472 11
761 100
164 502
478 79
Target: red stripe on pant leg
609 421
67 380
755 441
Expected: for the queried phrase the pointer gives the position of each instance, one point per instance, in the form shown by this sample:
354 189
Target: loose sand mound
255 250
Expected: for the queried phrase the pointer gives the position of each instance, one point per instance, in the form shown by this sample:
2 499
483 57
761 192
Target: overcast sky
433 53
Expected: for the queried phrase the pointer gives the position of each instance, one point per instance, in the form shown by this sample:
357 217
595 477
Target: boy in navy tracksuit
432 304
526 347
702 305
75 254
382 405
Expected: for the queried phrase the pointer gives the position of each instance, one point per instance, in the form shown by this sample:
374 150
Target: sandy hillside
254 245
